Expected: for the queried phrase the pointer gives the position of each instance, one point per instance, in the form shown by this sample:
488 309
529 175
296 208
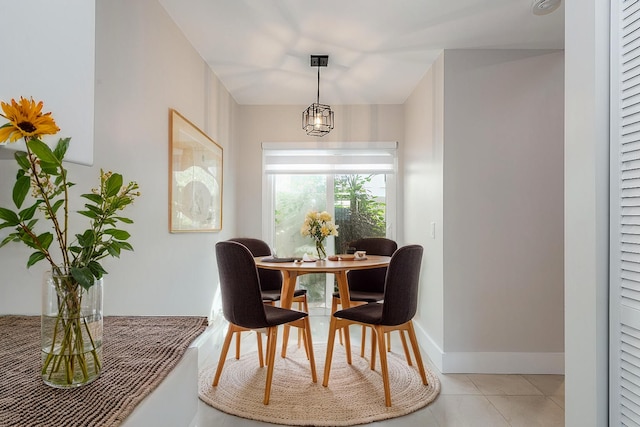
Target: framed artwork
195 178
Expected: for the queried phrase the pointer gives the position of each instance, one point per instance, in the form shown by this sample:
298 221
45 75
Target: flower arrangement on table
319 226
72 355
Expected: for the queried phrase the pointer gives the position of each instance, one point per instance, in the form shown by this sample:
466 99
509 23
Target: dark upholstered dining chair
270 286
400 302
244 309
367 286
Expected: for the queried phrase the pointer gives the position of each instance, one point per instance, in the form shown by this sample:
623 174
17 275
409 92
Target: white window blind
625 214
329 158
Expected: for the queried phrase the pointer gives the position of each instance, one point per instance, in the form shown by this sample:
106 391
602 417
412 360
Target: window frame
343 151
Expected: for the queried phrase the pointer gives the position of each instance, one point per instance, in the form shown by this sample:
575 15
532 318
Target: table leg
288 287
286 301
345 301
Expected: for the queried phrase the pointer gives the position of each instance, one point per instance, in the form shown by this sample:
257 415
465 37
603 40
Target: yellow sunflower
25 121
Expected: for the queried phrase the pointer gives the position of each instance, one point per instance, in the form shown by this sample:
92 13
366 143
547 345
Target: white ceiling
378 49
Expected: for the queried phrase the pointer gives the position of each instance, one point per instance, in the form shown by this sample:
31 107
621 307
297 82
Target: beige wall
279 123
424 200
144 66
52 61
503 212
488 171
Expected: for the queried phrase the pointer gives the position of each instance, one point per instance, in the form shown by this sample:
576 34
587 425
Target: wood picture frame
195 178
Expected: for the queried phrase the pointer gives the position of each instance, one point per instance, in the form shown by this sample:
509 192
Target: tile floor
465 399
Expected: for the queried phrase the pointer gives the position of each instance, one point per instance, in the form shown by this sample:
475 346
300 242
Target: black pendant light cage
317 120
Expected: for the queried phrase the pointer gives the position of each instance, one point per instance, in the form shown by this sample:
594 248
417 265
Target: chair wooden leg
406 348
383 364
334 307
363 340
260 356
374 346
302 306
389 341
347 342
223 353
273 304
306 344
308 350
300 332
272 340
266 352
309 346
329 355
238 333
238 344
285 340
416 352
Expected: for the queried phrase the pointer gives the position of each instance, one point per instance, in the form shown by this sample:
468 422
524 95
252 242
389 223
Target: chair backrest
270 280
371 280
401 286
240 286
375 245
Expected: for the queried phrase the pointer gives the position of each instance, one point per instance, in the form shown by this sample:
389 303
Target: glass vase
71 331
320 249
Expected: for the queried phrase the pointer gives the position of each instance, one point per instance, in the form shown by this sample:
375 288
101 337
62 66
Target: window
354 182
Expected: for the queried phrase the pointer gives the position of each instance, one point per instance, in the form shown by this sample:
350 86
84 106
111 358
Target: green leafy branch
41 170
103 239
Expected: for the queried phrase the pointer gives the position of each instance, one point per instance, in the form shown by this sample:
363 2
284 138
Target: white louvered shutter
625 215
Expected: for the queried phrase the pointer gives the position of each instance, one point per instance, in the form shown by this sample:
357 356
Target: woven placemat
355 394
138 353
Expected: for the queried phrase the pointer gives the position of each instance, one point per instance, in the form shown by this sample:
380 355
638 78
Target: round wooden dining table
291 271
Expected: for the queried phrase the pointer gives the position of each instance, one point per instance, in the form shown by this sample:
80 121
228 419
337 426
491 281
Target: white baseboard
489 362
433 350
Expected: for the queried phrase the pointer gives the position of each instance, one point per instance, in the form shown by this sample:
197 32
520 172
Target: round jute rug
355 394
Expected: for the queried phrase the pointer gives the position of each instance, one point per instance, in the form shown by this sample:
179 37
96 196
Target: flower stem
66 362
61 237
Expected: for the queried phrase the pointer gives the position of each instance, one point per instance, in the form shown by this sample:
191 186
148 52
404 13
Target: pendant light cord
318 96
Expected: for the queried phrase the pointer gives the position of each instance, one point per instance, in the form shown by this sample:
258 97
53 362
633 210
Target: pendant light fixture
317 120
